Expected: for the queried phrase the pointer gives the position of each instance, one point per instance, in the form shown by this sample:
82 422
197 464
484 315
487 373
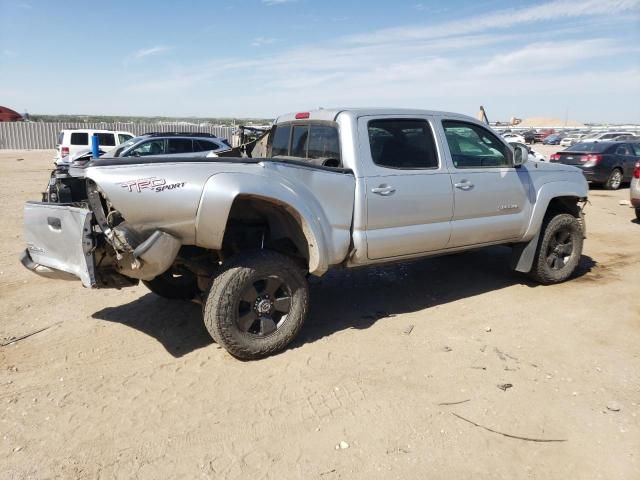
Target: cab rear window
318 142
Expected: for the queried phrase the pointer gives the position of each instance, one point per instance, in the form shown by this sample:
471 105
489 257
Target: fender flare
221 190
524 253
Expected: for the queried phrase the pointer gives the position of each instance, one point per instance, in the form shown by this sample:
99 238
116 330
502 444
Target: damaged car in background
322 189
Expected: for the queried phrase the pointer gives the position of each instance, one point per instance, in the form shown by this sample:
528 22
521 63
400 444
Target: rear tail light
591 158
636 171
64 151
555 157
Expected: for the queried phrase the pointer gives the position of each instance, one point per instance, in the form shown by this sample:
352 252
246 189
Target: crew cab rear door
407 188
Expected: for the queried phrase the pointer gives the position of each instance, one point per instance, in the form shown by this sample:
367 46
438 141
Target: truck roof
330 114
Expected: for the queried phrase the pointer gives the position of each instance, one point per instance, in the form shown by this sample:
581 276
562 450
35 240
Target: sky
575 59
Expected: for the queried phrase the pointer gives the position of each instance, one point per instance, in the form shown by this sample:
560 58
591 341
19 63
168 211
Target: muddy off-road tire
257 306
174 287
559 249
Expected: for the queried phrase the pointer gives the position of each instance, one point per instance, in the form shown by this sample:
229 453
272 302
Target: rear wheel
173 285
638 213
559 249
614 181
258 305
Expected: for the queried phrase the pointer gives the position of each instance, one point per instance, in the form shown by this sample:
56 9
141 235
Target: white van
77 139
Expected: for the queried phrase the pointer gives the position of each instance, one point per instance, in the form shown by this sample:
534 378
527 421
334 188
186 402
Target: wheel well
256 223
569 205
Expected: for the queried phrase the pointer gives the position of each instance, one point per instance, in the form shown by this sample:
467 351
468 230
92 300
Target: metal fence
37 135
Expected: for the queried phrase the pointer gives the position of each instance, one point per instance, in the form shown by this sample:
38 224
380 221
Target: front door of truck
491 196
409 198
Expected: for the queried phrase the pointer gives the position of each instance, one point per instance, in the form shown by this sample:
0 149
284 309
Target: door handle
464 185
383 190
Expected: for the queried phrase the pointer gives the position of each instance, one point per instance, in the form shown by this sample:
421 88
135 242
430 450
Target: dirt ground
128 385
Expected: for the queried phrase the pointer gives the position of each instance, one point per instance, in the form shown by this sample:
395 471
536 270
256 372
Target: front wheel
559 249
257 306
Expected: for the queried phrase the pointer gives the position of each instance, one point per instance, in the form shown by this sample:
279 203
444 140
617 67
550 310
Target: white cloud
555 10
262 41
440 67
145 52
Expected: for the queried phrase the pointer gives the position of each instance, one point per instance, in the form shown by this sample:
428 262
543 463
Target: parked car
553 139
164 143
607 163
513 137
604 137
73 141
541 135
625 138
338 188
570 140
635 188
529 136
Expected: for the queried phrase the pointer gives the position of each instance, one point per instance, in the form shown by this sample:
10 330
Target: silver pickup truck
323 189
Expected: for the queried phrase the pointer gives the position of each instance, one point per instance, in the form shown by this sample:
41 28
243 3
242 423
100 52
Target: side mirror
521 155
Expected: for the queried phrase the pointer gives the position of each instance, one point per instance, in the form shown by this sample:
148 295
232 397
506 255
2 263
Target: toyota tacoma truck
323 189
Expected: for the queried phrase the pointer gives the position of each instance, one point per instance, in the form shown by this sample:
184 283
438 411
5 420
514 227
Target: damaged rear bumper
64 241
60 242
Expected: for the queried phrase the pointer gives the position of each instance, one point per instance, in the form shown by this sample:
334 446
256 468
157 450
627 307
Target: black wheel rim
560 249
264 306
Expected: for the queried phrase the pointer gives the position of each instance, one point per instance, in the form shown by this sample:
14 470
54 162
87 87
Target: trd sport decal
153 184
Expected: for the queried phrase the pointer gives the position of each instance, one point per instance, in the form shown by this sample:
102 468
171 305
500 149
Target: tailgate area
59 242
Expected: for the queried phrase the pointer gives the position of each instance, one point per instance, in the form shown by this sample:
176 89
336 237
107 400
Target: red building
8 115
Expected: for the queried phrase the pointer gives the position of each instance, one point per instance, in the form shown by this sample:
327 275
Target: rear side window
106 139
280 143
204 145
180 145
623 150
402 143
79 138
636 148
60 138
122 137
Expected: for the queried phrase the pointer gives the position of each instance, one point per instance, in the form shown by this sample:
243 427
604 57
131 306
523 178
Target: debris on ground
614 406
27 335
342 445
454 403
517 437
504 386
446 349
408 330
624 203
487 329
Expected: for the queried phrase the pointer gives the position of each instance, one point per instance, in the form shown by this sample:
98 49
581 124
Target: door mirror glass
521 154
